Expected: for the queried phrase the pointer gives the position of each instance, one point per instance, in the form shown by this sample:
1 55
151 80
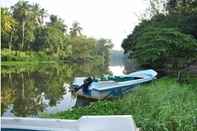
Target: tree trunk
10 42
23 35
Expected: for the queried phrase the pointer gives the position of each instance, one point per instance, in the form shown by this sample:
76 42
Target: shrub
11 55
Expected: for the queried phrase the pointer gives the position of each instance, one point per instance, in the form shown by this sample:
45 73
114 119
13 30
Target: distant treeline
117 58
167 39
23 31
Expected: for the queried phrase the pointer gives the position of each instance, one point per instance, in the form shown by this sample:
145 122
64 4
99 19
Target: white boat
110 86
85 123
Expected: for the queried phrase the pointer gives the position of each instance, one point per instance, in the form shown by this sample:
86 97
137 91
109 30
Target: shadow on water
28 89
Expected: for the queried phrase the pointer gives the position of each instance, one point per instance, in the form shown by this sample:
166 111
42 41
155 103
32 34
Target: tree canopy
167 41
24 29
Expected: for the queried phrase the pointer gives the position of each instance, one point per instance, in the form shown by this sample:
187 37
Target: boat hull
110 88
85 123
107 94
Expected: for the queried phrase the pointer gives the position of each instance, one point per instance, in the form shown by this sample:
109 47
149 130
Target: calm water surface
27 90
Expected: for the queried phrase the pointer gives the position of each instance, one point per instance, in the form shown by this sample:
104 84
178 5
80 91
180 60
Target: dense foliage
167 41
162 105
24 30
8 55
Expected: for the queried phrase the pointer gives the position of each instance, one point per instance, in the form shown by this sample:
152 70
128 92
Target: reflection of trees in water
7 97
130 65
25 87
27 98
89 69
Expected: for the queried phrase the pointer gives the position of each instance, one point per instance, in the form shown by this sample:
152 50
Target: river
31 89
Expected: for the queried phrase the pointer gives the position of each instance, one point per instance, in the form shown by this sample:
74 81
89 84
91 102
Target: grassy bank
11 55
163 105
8 67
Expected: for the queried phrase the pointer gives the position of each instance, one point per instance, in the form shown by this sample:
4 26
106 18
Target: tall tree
57 23
8 24
29 18
55 36
38 14
37 18
21 13
75 30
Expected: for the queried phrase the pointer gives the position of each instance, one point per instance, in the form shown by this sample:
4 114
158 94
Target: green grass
163 105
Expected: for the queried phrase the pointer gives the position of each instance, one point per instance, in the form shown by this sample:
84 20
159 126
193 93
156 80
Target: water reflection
67 102
117 70
27 90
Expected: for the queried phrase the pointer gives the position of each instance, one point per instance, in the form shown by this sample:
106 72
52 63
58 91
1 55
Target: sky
110 19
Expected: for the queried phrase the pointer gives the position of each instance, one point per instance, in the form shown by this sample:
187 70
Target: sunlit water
33 89
117 70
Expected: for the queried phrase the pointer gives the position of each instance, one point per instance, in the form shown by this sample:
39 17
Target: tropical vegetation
164 40
163 105
167 40
26 35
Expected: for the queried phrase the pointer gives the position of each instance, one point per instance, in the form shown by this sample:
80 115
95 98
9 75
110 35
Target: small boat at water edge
110 86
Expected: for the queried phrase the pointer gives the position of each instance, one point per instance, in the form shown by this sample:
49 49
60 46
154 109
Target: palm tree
21 12
7 24
75 30
38 14
57 23
7 20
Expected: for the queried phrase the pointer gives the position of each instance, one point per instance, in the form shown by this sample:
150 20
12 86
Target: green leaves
164 42
7 21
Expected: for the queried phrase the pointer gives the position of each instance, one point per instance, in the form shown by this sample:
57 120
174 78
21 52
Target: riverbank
10 57
161 105
14 55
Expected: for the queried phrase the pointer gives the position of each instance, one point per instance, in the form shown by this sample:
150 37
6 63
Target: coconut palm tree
7 21
7 24
21 12
38 14
75 30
